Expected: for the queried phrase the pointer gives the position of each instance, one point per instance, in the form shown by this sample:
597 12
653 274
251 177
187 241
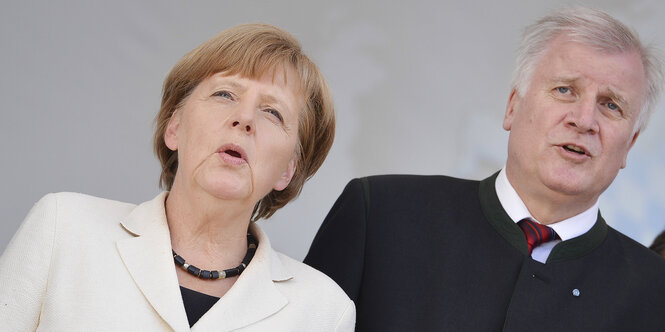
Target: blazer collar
147 257
254 295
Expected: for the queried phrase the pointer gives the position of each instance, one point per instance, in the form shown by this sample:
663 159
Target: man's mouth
574 148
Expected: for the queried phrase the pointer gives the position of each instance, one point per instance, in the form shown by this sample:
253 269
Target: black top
434 253
196 304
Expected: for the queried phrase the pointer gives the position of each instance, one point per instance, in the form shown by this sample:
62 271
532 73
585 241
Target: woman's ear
171 132
285 179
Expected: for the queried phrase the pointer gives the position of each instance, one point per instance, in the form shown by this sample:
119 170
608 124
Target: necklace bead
228 273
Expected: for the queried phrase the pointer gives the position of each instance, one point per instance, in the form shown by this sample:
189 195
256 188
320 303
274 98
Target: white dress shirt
566 229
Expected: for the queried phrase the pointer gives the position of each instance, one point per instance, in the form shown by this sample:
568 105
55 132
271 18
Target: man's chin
575 185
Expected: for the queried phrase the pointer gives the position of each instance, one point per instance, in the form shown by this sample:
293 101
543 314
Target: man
434 253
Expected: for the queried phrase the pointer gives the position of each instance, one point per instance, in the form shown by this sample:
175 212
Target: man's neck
545 205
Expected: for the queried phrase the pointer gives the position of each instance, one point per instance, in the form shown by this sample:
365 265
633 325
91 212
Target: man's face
571 130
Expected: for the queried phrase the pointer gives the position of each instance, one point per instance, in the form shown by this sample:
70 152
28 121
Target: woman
246 119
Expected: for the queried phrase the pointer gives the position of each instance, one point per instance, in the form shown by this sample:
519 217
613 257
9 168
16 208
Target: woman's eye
563 90
223 94
275 113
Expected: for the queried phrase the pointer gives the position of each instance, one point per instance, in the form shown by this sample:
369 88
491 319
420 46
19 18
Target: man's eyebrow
609 92
615 96
564 79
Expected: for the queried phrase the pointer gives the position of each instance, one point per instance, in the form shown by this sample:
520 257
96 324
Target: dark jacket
435 253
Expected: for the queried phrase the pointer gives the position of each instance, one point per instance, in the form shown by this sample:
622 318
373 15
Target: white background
420 87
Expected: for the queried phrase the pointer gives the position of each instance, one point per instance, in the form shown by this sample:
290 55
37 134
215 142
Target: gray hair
594 28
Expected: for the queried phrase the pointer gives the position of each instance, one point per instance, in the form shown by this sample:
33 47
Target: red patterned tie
536 234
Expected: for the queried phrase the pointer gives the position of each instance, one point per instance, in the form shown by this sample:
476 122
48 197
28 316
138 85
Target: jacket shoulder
639 257
411 179
72 211
636 268
314 282
405 188
311 291
71 198
70 202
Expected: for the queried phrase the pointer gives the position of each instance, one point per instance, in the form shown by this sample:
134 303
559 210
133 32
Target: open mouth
575 149
233 153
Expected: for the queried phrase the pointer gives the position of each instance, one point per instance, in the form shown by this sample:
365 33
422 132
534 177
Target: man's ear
513 102
632 142
171 132
285 179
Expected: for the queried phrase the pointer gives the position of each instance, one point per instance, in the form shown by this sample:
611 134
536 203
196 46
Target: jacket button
576 292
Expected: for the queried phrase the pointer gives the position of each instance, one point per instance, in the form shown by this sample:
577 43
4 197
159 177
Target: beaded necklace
228 273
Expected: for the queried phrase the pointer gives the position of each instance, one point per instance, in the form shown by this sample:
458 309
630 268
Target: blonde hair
252 50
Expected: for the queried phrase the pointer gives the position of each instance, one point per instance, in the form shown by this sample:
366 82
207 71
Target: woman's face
236 137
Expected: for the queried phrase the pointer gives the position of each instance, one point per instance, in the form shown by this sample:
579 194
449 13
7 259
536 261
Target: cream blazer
82 263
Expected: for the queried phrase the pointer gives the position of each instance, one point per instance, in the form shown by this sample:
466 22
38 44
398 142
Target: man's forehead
621 73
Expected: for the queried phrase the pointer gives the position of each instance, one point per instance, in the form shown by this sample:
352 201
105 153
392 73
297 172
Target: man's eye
612 106
275 113
563 90
223 94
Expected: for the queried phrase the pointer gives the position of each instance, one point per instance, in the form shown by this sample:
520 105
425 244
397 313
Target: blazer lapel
148 259
254 296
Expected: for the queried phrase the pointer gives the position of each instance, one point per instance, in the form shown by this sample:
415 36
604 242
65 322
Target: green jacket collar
566 250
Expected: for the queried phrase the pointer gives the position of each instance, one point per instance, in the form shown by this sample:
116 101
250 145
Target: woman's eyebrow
229 82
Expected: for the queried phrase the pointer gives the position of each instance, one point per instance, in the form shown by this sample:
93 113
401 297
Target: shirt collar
516 210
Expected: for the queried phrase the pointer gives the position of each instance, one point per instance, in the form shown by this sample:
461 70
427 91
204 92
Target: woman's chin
227 189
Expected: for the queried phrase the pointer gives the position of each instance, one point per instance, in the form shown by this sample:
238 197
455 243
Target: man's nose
583 116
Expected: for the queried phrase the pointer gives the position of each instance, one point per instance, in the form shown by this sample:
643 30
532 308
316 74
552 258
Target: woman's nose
244 119
247 126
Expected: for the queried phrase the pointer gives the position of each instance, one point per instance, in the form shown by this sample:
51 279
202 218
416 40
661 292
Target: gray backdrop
420 87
